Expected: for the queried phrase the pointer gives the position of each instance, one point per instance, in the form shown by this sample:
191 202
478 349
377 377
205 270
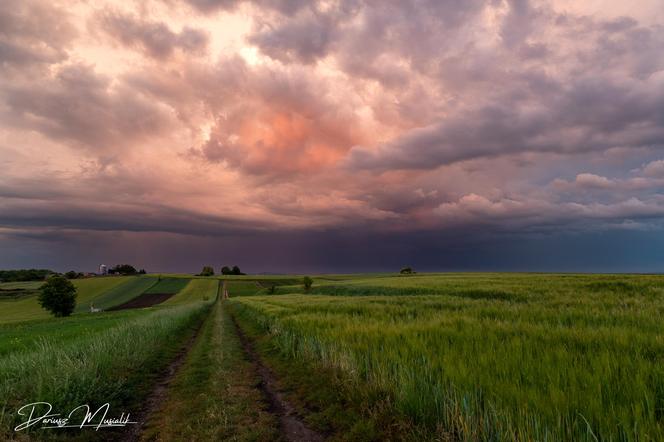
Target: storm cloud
360 132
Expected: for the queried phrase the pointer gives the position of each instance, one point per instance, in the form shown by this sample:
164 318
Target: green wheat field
490 357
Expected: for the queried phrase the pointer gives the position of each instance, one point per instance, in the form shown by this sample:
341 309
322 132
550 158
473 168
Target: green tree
72 274
225 270
58 295
307 282
406 271
207 271
236 271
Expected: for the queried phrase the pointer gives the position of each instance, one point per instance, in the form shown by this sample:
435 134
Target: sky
332 136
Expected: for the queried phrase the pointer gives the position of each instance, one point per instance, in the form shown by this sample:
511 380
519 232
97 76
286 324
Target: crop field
243 288
125 290
195 290
14 289
168 285
488 356
356 357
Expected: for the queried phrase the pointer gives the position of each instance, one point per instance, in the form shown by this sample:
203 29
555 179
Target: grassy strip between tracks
215 395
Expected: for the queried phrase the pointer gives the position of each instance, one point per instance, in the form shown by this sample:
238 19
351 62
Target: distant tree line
125 269
74 275
235 270
42 274
24 275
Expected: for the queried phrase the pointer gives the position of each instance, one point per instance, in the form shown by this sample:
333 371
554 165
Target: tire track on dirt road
159 392
291 424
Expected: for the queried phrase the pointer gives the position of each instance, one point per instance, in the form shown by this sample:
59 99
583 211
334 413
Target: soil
144 300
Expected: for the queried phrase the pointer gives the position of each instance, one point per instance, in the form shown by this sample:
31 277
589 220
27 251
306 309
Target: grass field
168 285
27 308
111 365
195 290
13 291
127 289
361 357
21 285
489 356
29 335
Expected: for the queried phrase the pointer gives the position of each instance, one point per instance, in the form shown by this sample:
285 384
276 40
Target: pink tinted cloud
391 114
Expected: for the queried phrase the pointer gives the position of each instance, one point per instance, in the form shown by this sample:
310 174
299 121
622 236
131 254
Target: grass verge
116 366
22 337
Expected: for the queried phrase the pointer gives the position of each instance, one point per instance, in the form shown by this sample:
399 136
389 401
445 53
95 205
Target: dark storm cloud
533 94
116 216
340 135
305 39
32 32
155 38
606 99
586 117
84 108
342 251
283 6
361 32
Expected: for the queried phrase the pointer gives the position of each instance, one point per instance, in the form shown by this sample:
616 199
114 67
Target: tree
307 282
406 271
141 272
122 269
225 270
73 275
207 271
58 295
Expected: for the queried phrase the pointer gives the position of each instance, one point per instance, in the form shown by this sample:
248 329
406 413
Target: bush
58 295
307 282
406 271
